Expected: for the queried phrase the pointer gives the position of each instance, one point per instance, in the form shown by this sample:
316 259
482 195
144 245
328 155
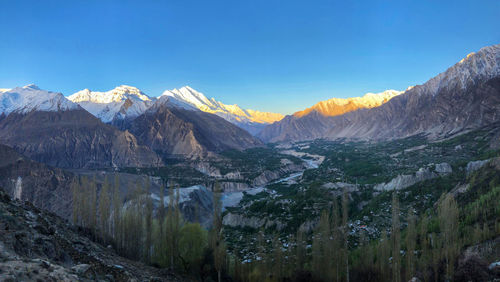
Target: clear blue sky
268 55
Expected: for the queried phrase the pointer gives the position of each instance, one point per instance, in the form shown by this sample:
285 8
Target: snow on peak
476 66
232 113
120 93
173 102
31 86
339 106
119 103
31 98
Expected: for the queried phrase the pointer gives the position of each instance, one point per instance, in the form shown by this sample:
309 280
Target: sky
279 56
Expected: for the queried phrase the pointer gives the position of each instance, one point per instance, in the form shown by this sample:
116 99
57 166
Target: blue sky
268 55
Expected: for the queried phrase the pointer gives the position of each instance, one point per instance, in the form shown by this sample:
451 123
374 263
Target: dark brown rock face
72 139
190 133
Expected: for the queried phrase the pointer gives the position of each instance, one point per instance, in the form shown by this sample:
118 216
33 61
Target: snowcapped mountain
123 102
31 98
251 120
337 106
464 97
172 102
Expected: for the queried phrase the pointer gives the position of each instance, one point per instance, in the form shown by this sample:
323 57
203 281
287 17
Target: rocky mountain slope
172 127
250 120
48 128
39 246
123 102
464 97
46 187
315 122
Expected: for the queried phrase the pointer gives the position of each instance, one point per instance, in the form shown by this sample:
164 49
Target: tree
322 249
425 247
217 239
448 214
77 209
345 229
148 221
173 226
104 210
300 251
278 259
396 239
383 254
337 240
193 239
117 205
411 240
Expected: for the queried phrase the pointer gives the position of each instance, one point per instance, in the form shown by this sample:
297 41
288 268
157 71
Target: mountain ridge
465 96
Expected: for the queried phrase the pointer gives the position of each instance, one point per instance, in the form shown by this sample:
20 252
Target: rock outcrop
175 131
73 139
407 180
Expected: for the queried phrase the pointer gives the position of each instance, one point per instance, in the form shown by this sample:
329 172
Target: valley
182 187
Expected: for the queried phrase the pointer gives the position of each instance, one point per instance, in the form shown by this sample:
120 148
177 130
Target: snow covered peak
173 102
31 98
339 106
475 67
118 94
232 113
31 86
119 103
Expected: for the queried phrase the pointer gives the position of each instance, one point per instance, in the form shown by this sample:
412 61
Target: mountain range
127 102
464 97
124 127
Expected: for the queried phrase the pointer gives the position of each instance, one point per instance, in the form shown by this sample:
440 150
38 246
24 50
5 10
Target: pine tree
395 239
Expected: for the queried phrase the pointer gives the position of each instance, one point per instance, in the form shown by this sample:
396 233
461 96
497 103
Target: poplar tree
300 250
411 240
396 239
117 205
217 240
345 229
278 259
383 254
448 214
104 210
148 221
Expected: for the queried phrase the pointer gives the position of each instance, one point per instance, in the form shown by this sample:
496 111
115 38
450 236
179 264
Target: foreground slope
48 128
39 246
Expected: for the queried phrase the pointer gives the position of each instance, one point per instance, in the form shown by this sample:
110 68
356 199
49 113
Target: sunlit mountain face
338 106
